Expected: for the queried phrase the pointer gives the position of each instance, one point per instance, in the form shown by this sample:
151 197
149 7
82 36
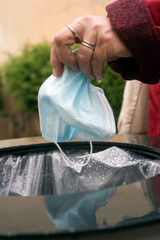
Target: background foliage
25 73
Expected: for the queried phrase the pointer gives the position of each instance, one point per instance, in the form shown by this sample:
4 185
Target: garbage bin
42 195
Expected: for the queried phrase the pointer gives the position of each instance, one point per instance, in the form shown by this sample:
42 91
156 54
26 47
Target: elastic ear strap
79 165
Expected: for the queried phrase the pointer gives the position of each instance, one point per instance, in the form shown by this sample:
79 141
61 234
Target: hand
96 30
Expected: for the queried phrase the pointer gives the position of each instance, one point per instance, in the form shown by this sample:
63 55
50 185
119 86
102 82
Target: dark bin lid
146 151
128 208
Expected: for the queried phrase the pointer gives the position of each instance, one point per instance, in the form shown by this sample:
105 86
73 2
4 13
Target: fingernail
74 69
55 74
99 80
91 78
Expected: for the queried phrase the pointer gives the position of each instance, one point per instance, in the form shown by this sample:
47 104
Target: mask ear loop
78 165
91 145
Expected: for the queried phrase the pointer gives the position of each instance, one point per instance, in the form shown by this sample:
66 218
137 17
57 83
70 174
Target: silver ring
90 45
74 34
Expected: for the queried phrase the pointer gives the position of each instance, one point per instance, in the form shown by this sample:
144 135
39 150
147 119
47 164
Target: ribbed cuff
133 23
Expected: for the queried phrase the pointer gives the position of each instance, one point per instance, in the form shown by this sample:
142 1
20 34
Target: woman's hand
93 29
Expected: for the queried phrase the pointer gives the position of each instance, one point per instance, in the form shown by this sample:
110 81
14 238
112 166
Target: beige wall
37 20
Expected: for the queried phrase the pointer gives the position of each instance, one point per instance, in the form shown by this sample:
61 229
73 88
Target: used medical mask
70 107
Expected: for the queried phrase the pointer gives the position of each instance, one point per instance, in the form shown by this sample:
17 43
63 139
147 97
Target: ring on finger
91 44
88 44
73 32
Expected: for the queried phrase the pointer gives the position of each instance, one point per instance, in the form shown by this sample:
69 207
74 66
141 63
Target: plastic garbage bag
48 172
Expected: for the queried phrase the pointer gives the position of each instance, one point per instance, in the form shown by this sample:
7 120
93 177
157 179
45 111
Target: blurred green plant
25 73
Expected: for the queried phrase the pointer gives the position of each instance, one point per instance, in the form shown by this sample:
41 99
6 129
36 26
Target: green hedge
25 73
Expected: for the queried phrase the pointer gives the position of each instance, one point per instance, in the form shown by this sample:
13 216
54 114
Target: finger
63 40
66 56
98 60
84 56
57 66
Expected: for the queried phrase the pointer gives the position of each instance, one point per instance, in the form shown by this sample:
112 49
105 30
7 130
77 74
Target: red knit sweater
137 22
133 22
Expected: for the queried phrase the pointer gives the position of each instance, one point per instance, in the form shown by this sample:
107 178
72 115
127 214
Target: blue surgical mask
70 107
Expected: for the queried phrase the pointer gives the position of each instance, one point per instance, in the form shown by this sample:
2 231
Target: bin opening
42 170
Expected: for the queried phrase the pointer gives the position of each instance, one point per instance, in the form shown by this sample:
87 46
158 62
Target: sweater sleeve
134 23
154 9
